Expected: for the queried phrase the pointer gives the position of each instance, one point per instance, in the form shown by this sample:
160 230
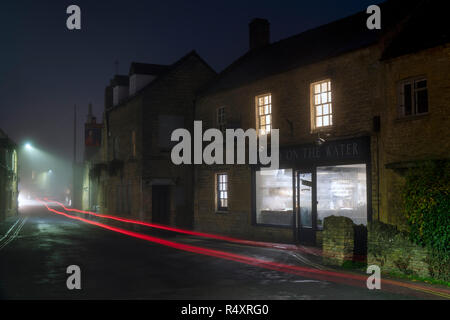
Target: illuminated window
222 191
321 104
274 197
413 97
264 113
221 119
342 191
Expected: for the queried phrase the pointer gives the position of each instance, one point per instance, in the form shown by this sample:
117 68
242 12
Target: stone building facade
132 172
8 177
353 107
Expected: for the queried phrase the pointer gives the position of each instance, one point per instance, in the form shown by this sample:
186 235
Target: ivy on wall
426 200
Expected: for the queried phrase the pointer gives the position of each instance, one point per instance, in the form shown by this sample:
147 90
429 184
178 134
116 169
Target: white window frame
219 184
401 93
264 115
321 99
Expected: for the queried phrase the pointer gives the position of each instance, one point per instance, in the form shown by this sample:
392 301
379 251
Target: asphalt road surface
40 245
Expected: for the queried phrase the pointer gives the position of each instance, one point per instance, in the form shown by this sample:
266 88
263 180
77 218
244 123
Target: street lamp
28 146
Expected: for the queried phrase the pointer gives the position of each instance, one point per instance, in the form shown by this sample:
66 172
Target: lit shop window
222 191
342 191
274 197
413 98
264 113
221 119
321 104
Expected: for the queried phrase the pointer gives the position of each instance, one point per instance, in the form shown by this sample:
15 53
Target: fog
43 175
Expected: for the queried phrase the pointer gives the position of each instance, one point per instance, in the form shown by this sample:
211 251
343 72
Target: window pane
318 110
325 121
407 100
274 197
422 101
325 109
325 87
317 88
319 121
317 99
324 97
421 84
341 191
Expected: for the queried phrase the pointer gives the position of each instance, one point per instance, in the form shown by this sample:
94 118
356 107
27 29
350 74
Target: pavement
119 260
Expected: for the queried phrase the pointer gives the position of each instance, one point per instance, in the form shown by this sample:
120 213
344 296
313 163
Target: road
35 254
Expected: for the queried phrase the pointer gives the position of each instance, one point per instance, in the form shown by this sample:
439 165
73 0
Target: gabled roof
318 44
147 68
164 72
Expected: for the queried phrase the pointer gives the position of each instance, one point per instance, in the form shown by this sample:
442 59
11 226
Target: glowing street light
28 146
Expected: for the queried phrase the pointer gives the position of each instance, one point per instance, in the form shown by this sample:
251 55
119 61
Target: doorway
161 204
306 212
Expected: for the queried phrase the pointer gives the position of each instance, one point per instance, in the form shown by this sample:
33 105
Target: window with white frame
413 97
322 109
221 119
264 113
222 191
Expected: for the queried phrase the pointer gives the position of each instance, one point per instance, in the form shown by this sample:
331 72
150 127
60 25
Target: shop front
314 182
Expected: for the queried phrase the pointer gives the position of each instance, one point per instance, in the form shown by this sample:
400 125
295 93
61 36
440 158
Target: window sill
411 118
222 211
322 129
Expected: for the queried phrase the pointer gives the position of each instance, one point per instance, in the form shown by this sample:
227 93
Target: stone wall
392 251
337 240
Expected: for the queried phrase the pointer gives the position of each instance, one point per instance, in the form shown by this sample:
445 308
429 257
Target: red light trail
194 233
332 276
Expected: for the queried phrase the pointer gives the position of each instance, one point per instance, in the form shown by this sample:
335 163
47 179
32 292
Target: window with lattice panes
322 109
264 113
222 191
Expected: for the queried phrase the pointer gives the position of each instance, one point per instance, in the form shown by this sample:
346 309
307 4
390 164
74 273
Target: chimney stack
259 33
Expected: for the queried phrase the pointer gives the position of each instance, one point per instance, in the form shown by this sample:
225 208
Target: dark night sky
45 69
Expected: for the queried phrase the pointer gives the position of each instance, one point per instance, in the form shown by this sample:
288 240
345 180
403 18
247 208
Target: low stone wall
392 251
337 240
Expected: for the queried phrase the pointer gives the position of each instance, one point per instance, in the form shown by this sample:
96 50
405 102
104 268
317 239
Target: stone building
352 105
8 177
133 172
